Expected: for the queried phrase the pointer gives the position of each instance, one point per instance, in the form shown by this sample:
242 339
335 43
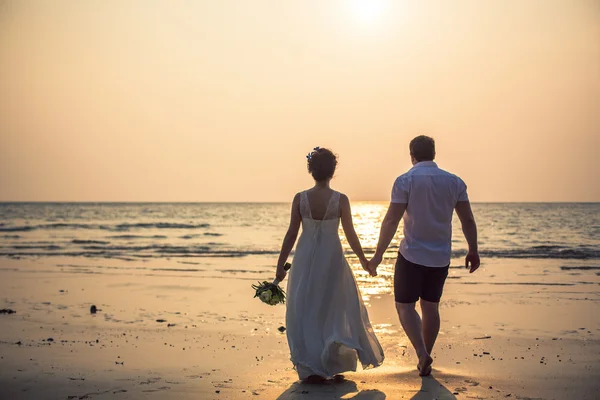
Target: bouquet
271 293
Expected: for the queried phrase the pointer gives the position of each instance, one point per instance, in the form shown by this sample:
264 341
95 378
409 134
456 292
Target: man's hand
374 263
472 258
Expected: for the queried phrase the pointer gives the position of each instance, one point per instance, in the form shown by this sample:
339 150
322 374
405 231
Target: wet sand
163 333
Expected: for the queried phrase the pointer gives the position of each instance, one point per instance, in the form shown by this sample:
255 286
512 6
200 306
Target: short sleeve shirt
431 195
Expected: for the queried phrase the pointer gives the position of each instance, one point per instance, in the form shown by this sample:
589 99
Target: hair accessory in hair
309 155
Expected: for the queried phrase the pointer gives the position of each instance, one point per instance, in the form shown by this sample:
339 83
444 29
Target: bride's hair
321 164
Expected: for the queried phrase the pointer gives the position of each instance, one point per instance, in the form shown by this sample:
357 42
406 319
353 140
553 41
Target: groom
426 196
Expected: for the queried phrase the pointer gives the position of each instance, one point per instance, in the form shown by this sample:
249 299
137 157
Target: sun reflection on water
367 223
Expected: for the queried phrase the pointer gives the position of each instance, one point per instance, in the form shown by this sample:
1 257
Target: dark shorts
413 281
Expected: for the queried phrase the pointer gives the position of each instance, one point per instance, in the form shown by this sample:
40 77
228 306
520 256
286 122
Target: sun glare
368 11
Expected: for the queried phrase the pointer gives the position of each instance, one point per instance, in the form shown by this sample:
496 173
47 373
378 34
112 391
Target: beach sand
200 335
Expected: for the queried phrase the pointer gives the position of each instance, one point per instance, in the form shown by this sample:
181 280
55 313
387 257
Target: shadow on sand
431 389
398 382
329 390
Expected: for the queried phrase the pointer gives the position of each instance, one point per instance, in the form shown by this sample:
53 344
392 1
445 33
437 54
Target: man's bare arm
389 226
469 228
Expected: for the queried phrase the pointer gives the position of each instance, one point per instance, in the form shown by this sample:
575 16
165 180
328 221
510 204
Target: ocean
177 237
159 297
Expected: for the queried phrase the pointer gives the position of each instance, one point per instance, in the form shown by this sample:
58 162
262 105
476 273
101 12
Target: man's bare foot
314 380
424 365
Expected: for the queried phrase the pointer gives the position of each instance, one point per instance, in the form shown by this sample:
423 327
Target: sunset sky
123 100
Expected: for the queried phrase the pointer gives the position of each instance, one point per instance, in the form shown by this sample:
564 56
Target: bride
328 326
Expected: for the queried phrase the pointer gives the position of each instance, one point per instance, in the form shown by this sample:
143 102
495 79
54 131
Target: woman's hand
374 263
365 264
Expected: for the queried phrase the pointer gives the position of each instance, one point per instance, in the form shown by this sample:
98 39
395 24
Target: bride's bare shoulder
344 201
343 196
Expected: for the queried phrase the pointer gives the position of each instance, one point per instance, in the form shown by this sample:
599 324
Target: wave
118 227
161 225
178 269
181 251
36 247
127 268
137 237
550 252
122 252
78 241
200 235
82 247
535 252
156 247
16 228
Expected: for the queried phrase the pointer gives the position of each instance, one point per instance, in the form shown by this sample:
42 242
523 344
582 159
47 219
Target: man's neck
424 162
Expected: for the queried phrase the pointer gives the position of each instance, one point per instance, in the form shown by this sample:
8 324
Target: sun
368 11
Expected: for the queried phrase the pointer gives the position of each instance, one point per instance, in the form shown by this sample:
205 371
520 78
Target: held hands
373 264
472 258
367 266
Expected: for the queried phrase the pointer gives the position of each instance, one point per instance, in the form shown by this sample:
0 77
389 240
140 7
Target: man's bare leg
431 323
411 322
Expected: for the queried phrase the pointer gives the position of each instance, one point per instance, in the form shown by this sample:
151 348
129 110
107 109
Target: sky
181 100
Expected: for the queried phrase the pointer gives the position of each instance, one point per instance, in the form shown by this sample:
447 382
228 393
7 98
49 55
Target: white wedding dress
328 325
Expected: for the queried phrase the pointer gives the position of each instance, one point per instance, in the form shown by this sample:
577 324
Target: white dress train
328 326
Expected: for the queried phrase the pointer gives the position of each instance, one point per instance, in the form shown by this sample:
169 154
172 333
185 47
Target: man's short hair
422 148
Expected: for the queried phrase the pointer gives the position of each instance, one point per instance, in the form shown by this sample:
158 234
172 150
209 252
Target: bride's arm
351 236
290 238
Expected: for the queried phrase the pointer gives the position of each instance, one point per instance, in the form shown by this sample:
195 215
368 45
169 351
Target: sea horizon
264 202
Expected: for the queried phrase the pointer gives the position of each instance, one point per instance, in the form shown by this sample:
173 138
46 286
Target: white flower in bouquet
274 300
266 296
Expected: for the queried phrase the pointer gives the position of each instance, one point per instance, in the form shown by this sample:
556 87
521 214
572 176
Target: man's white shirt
431 195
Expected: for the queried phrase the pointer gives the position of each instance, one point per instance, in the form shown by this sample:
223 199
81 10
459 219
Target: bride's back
319 202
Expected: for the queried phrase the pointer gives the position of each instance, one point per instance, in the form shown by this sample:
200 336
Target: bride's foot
314 380
424 365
